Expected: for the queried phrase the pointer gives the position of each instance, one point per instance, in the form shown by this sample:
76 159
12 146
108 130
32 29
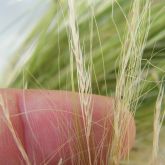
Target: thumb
49 127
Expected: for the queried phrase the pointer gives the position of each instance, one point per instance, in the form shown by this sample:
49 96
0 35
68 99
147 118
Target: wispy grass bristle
7 119
83 76
157 124
129 74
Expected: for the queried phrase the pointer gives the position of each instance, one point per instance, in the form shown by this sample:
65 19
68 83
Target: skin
44 122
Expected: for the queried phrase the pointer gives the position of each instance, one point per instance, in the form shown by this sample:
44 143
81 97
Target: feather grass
83 77
129 74
140 67
157 124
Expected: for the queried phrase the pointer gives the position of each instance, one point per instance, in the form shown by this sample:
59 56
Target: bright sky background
17 17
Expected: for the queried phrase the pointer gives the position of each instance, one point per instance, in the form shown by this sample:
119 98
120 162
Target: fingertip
46 121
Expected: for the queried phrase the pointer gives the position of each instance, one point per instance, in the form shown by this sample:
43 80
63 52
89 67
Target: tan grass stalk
129 74
83 75
14 134
157 124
